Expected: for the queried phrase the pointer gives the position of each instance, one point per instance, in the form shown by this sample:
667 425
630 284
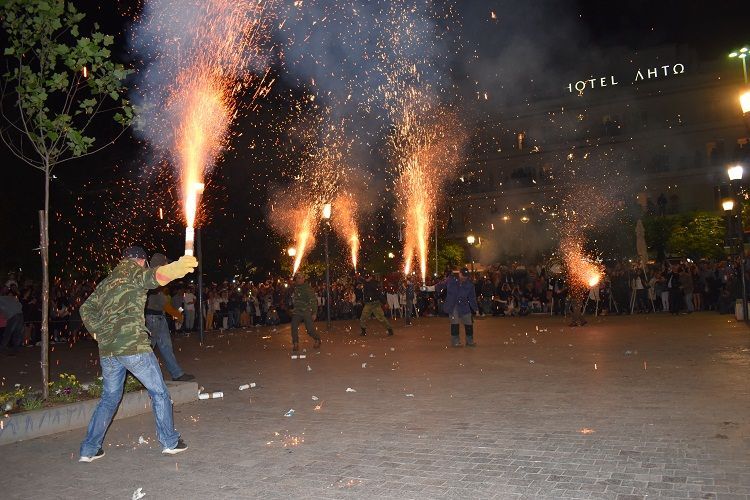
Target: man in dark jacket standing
156 322
114 316
305 304
460 303
372 296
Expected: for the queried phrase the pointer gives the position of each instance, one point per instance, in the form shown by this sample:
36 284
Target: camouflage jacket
114 312
304 299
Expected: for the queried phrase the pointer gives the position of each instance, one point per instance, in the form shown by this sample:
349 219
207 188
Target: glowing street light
741 54
470 239
735 172
291 251
727 204
391 255
525 219
745 102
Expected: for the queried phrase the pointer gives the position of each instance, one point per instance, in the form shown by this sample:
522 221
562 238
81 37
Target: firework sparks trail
304 235
344 223
426 144
583 271
301 205
209 48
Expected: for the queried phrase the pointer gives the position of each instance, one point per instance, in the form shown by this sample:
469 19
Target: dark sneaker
99 454
455 341
316 344
185 377
181 446
363 332
470 343
390 332
295 347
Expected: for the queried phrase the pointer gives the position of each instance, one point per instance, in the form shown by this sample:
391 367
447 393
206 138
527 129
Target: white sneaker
99 454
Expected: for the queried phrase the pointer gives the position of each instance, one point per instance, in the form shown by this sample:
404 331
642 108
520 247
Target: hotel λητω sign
640 75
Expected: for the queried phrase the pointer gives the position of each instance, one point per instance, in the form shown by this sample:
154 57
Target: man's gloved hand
175 270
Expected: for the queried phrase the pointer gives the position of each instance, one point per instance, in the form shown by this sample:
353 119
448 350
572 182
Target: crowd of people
501 289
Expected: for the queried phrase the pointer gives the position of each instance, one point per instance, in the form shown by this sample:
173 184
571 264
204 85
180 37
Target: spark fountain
582 271
344 223
427 147
201 55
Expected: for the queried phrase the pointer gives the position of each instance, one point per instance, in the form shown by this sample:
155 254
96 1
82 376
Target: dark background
108 194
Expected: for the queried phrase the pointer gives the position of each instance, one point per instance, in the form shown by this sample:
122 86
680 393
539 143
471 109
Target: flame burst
426 147
582 271
304 233
297 210
426 144
344 223
206 51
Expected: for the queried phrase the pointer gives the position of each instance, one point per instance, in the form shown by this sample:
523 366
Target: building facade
655 130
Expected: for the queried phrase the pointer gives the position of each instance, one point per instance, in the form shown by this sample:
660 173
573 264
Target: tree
58 85
698 235
450 255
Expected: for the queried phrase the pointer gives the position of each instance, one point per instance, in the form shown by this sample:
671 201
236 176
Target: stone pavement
624 408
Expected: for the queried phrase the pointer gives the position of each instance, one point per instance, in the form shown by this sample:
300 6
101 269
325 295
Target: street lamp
470 240
327 219
291 251
741 54
735 173
727 204
745 102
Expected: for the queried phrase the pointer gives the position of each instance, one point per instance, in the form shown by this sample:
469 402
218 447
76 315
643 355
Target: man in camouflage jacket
114 316
305 304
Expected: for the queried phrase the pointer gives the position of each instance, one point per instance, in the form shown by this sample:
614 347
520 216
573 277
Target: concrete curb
37 423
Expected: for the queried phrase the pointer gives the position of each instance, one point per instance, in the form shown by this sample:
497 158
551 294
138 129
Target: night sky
539 41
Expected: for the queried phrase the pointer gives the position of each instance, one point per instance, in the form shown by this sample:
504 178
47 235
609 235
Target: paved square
624 408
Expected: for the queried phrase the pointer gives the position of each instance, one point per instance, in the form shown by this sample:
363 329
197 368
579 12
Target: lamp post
327 219
735 179
200 282
470 240
741 54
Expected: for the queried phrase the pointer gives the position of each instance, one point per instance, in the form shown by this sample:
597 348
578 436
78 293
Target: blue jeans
157 325
146 369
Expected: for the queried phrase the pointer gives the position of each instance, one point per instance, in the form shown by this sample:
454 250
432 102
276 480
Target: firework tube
189 240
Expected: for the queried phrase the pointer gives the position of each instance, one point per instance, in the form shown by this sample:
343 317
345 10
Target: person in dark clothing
372 295
12 311
305 304
460 303
676 299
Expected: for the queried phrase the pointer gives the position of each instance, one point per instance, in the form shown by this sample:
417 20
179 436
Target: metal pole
328 283
741 235
436 251
737 196
200 283
744 69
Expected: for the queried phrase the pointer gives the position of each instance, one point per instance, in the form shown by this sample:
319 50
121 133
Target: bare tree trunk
44 250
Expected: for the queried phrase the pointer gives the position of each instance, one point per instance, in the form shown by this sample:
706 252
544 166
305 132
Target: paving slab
626 407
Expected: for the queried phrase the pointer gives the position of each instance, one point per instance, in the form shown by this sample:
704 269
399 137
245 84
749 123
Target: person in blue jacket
460 303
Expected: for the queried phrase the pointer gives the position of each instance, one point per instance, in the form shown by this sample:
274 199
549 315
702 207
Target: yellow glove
175 270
